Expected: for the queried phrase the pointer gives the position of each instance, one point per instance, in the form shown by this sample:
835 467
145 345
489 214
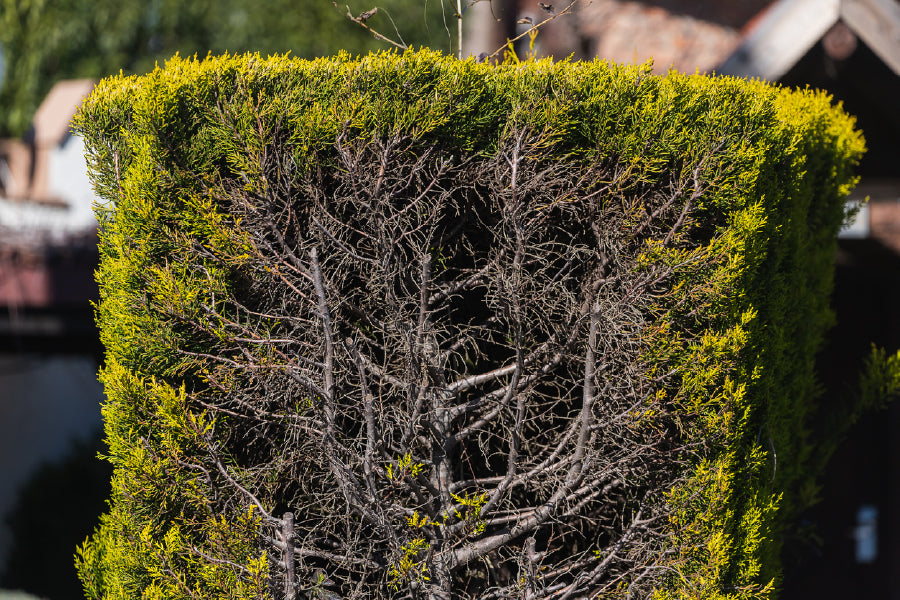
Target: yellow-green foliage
746 312
160 545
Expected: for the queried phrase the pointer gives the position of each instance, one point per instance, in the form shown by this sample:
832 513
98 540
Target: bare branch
361 21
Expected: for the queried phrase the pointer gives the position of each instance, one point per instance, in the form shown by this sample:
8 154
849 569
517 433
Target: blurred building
851 48
49 347
47 232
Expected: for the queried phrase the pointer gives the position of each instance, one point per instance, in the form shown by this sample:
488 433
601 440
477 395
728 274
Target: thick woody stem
287 535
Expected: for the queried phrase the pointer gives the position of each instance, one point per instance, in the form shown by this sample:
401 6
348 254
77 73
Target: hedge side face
404 326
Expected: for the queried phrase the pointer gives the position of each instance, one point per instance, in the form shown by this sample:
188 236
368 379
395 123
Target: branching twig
361 21
487 400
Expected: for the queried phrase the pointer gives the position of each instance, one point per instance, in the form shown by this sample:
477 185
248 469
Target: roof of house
53 116
44 190
685 35
787 30
750 38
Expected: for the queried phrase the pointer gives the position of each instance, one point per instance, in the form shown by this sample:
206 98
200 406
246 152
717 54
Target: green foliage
405 466
166 548
751 177
409 567
880 381
44 41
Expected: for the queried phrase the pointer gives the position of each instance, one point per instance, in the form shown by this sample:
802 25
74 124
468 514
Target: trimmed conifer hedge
408 326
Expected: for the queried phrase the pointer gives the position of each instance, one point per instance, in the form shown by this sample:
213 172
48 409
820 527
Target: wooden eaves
787 30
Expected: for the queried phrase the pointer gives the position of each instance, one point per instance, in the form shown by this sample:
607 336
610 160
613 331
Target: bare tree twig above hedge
531 31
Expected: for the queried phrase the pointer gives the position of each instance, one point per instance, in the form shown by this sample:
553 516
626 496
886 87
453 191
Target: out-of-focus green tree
44 41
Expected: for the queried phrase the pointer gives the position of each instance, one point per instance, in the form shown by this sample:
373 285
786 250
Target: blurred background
52 486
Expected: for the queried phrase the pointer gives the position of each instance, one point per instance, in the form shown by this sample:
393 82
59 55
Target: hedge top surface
584 109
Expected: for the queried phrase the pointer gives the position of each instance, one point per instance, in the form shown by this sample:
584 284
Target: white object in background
858 228
866 534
